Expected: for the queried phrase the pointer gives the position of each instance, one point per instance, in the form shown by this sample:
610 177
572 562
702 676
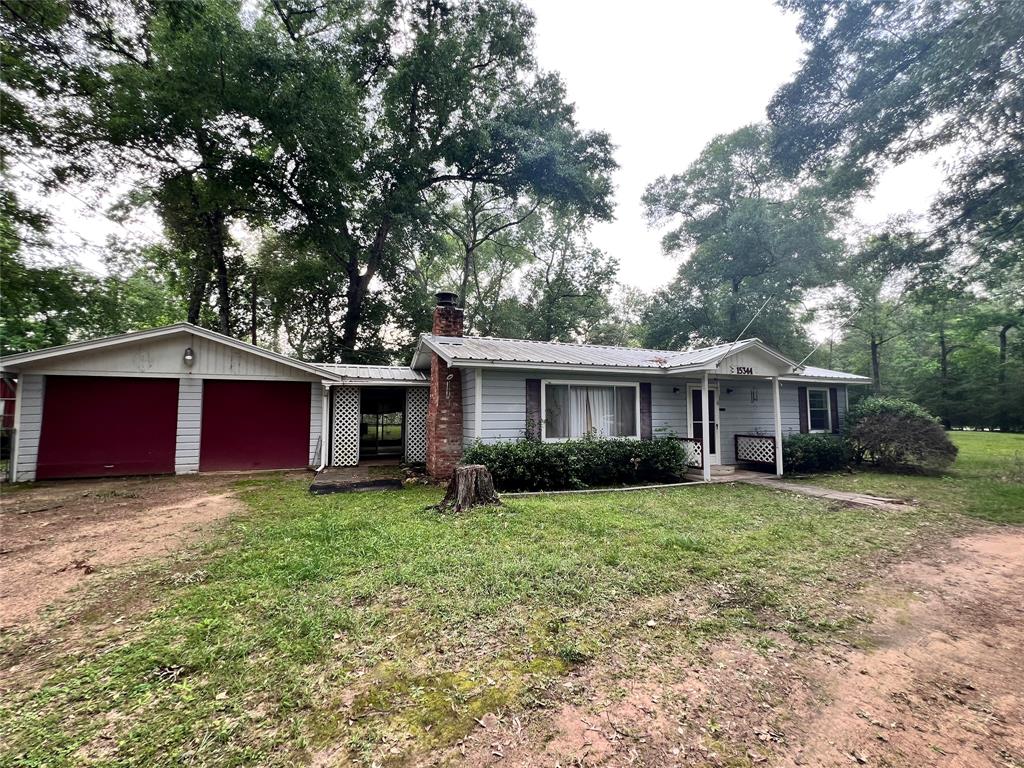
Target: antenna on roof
828 338
747 326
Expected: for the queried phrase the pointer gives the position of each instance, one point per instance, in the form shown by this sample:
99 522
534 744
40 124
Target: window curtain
601 402
578 410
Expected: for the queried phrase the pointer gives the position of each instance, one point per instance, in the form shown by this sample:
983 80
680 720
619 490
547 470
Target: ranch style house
182 399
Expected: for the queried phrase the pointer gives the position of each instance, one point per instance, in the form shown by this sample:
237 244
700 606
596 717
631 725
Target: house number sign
741 370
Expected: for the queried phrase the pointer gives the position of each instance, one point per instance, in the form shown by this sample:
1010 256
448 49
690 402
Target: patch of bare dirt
937 679
55 535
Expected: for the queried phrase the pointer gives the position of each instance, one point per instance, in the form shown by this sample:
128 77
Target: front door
695 419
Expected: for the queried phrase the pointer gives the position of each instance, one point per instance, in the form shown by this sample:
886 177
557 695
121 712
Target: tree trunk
358 285
252 306
470 486
944 351
876 370
224 294
197 294
1003 416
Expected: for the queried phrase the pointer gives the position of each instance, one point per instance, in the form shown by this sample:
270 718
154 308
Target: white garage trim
315 421
28 425
189 432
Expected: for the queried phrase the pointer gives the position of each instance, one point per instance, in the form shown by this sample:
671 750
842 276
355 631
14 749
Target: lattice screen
692 450
416 423
345 427
759 450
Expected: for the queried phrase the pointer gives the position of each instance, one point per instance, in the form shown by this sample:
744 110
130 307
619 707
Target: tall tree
883 80
873 300
567 285
441 93
748 236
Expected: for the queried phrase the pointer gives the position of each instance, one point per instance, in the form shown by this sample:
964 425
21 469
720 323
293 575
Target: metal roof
401 373
812 372
470 349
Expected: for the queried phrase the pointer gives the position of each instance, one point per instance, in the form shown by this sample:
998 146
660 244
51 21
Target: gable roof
475 350
16 362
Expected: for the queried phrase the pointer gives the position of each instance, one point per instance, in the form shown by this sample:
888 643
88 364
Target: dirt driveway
936 679
55 535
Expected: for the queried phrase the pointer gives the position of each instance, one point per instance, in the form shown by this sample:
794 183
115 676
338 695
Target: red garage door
254 425
96 426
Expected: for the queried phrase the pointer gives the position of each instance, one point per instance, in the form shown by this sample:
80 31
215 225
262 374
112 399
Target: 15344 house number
741 370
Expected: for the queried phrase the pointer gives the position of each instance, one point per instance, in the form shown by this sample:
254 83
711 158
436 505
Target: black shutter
833 404
646 424
801 398
533 416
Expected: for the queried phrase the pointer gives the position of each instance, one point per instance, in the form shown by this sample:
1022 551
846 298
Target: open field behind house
706 625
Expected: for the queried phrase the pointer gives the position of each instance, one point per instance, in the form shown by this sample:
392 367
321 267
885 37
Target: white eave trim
377 383
822 380
15 362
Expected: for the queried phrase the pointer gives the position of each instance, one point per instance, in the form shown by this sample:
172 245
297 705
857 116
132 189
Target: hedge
897 434
531 465
814 453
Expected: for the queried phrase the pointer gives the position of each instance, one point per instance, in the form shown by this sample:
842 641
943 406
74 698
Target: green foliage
897 434
814 453
532 465
883 80
748 235
985 482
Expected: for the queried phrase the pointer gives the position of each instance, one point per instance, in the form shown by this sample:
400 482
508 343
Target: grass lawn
370 624
987 480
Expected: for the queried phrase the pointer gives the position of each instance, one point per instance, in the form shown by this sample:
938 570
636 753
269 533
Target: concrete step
717 470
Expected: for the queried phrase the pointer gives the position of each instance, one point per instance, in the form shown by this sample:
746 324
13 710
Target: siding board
29 423
190 414
316 410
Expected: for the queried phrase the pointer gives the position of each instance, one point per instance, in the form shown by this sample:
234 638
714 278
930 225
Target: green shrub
814 453
530 465
897 434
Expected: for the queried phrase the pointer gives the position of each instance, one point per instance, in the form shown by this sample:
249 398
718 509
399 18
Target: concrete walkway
366 476
819 492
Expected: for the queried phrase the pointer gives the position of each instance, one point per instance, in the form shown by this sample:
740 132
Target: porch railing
694 452
756 449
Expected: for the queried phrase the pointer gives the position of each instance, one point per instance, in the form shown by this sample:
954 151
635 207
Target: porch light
189 357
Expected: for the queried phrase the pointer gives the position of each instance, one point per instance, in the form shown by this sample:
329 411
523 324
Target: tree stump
470 486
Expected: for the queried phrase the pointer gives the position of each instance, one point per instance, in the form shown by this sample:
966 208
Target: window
602 410
819 415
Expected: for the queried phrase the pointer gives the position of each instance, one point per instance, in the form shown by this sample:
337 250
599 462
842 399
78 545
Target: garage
101 426
254 425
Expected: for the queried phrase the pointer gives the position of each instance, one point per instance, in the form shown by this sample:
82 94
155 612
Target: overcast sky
662 78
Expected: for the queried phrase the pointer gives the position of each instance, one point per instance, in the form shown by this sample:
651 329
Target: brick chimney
444 412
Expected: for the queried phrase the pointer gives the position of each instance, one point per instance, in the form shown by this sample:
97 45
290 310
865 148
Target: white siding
742 416
504 406
468 406
28 421
504 402
163 357
316 411
190 419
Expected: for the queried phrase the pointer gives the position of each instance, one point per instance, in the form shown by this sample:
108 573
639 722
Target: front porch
727 427
755 456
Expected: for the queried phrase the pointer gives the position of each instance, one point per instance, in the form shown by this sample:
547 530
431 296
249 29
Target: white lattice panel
692 450
760 450
345 427
416 399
